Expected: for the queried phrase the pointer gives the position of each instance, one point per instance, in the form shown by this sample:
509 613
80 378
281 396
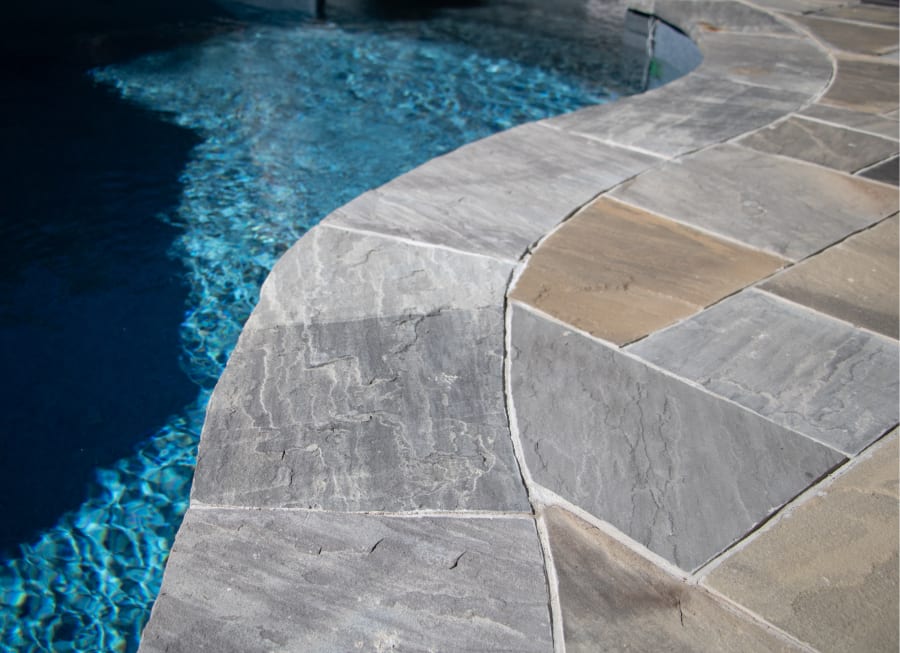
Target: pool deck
624 379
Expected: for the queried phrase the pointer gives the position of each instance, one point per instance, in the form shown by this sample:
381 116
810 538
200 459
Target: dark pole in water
320 9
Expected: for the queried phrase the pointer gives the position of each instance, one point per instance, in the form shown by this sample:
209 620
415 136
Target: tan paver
851 37
869 86
620 273
827 572
614 600
855 280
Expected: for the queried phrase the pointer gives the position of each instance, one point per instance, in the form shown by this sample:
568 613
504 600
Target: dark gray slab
816 142
333 275
805 371
675 468
377 414
683 116
887 172
867 122
246 581
786 207
496 196
700 16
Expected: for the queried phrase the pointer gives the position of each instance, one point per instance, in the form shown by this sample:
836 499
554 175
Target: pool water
291 120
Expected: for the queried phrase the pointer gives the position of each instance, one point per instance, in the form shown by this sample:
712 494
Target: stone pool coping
618 379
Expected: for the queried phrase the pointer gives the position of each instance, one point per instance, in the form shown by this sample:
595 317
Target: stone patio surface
620 380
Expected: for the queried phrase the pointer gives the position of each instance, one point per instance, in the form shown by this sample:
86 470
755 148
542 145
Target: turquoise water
295 121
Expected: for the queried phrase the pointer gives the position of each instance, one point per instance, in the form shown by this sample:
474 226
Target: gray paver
887 172
864 13
868 122
246 581
816 142
376 414
868 86
786 207
681 471
851 37
699 16
497 196
808 372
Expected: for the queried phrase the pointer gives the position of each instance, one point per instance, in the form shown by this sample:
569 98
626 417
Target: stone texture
820 377
696 17
333 275
621 273
887 172
856 280
791 209
382 414
799 6
851 37
863 13
763 60
827 571
866 122
684 473
247 581
867 86
614 600
833 147
683 116
496 196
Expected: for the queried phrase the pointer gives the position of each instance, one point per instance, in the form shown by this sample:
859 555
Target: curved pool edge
380 459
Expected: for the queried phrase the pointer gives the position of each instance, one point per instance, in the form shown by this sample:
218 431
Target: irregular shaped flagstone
246 581
698 16
391 414
495 196
887 172
681 471
851 37
864 85
867 122
333 275
614 600
790 208
867 13
807 372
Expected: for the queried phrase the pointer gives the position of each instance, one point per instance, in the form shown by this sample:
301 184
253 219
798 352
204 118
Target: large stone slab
496 196
614 600
827 571
807 372
887 172
868 86
621 273
334 275
696 17
379 414
246 581
851 37
789 208
683 116
855 280
866 122
684 473
863 13
816 142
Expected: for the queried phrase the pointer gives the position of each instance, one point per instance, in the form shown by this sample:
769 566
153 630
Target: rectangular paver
867 122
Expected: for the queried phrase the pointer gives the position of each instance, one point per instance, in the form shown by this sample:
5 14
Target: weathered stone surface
375 414
887 172
683 116
804 371
867 122
244 581
855 280
851 37
798 6
763 60
681 471
614 600
621 273
791 209
878 15
333 275
816 142
827 571
700 16
496 196
868 86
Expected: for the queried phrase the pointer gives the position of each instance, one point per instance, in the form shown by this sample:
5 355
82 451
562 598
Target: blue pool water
290 120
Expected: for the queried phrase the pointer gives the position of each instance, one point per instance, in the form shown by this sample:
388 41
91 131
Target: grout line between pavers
604 141
556 616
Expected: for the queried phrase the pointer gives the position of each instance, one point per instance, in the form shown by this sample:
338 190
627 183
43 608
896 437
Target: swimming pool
294 118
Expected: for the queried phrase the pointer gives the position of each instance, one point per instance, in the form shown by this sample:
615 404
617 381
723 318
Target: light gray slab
805 371
827 145
683 116
333 275
391 414
786 207
799 6
253 581
673 467
496 196
698 16
855 120
763 60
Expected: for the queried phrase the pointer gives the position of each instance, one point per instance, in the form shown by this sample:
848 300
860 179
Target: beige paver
827 572
855 280
851 37
614 600
620 273
869 86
